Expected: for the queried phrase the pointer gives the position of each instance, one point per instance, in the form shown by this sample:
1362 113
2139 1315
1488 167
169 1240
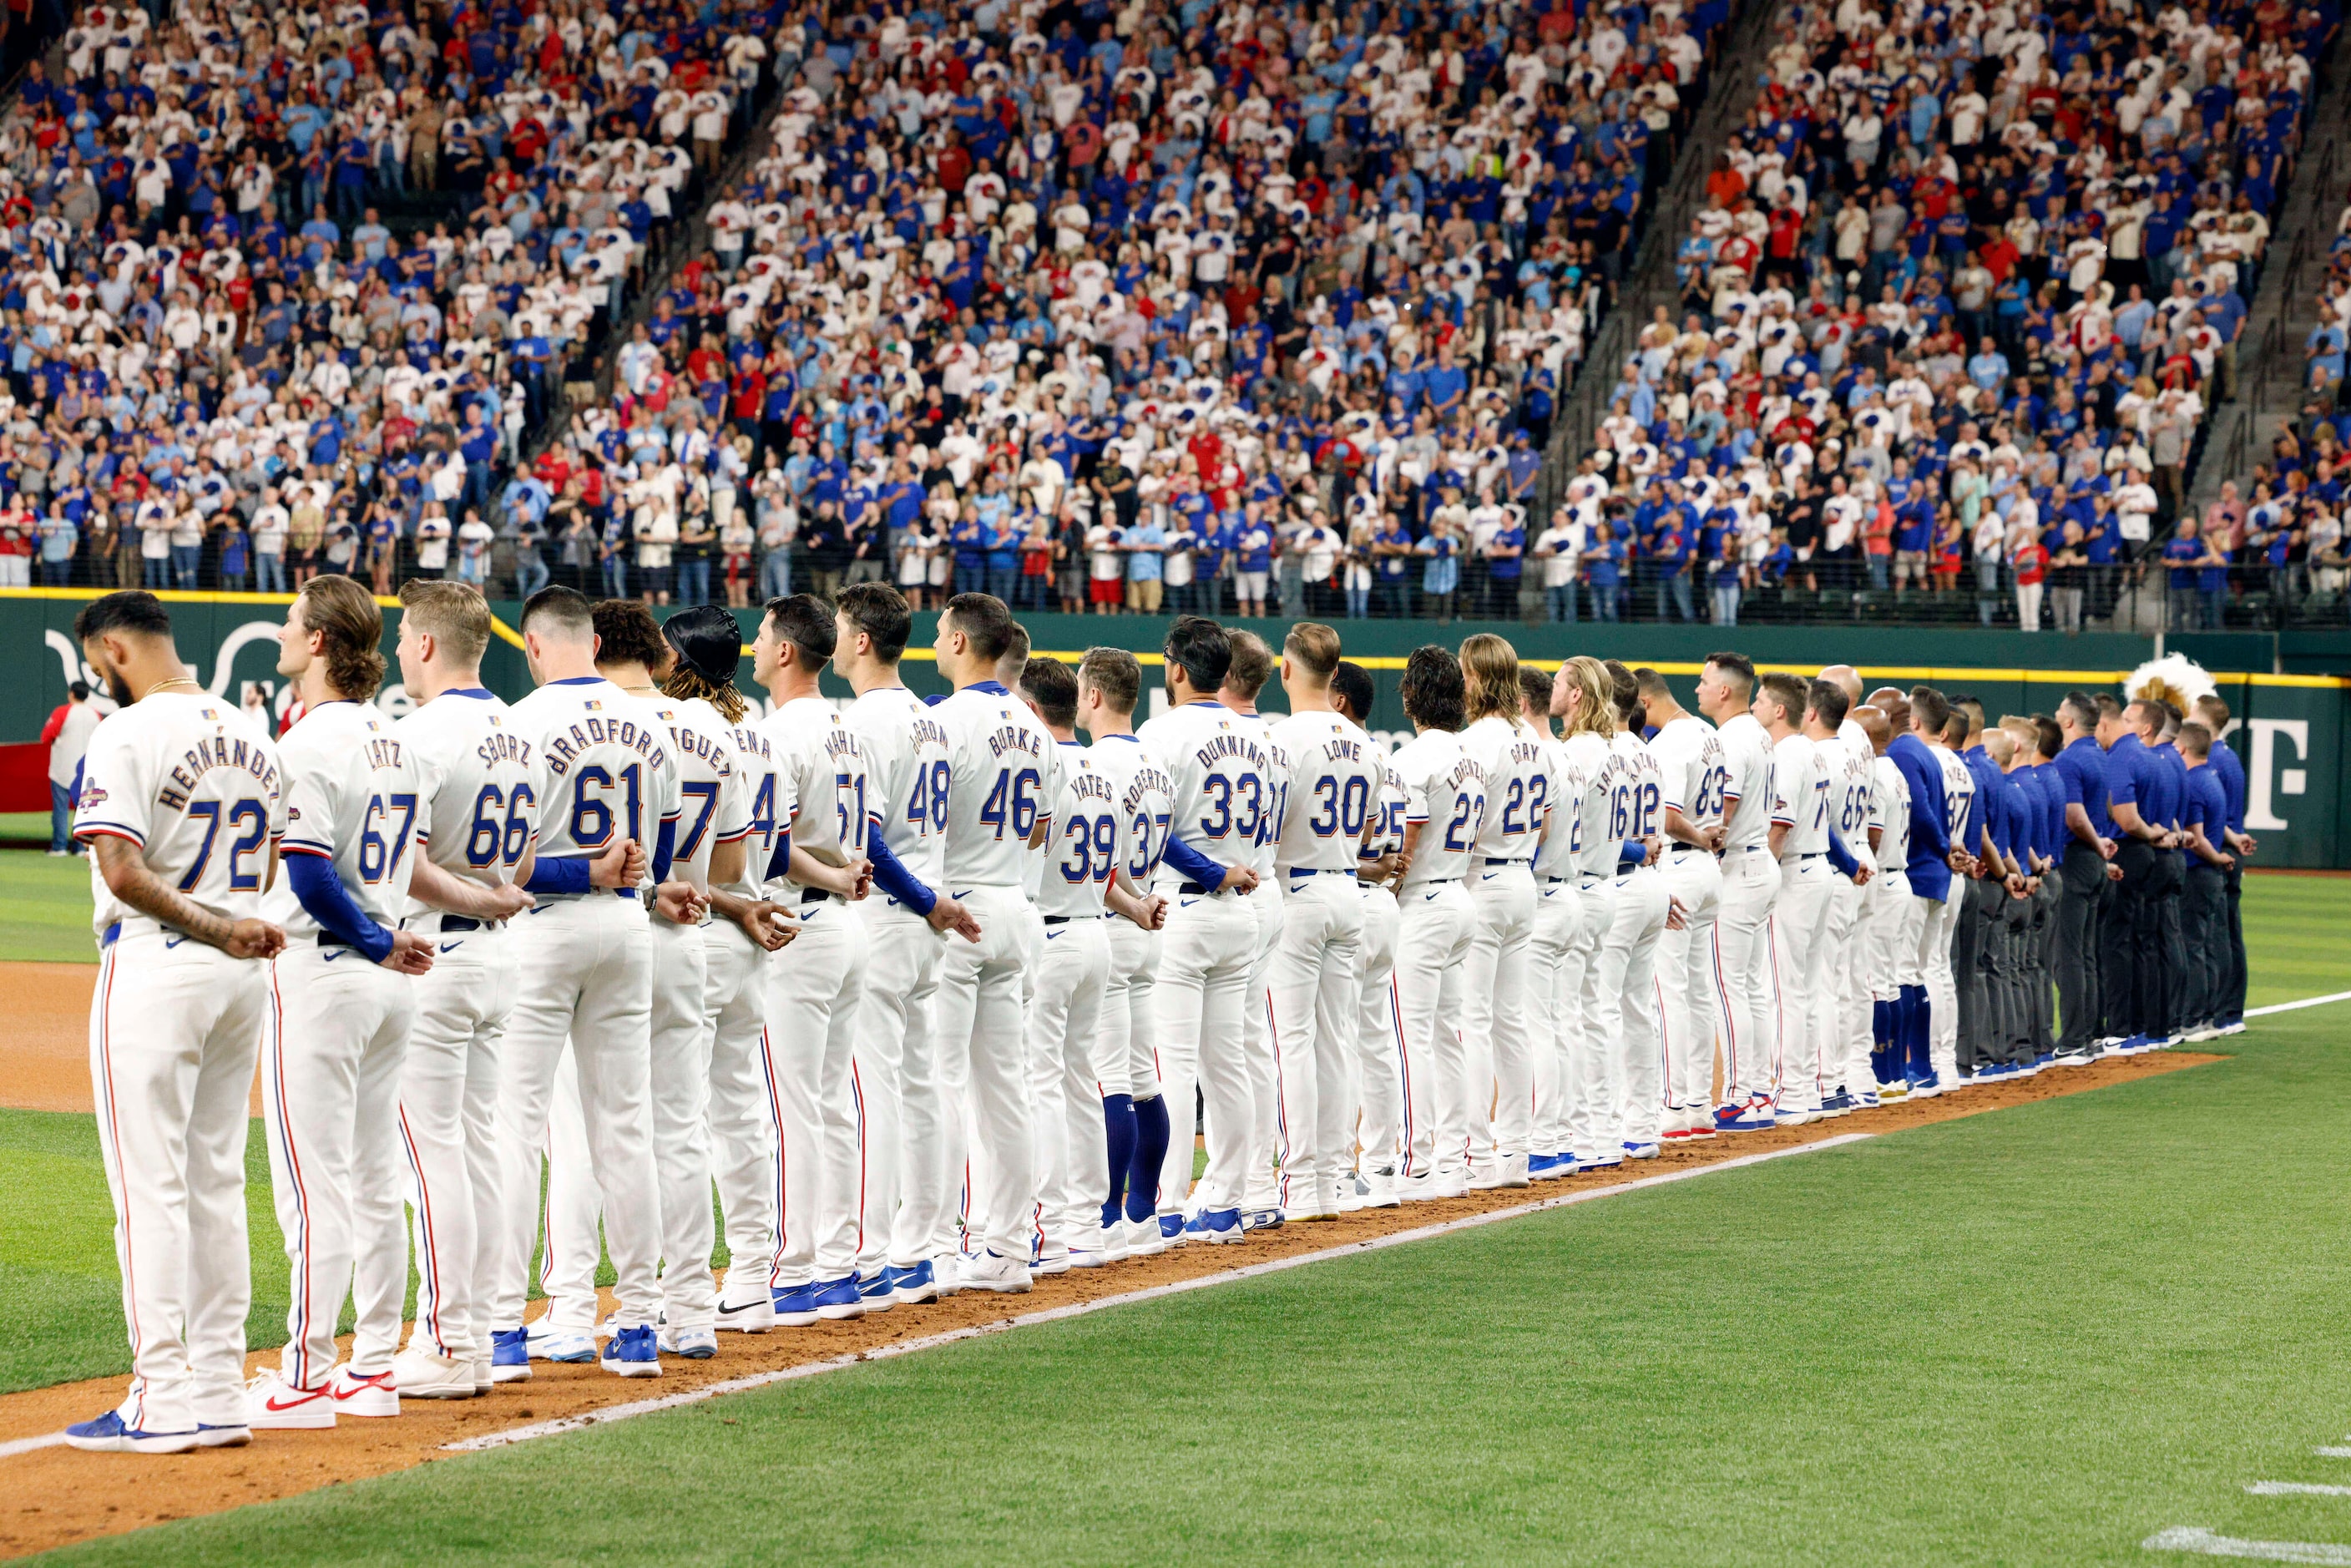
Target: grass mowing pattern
45 907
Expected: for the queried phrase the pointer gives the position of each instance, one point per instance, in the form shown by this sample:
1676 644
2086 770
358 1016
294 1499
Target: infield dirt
53 1496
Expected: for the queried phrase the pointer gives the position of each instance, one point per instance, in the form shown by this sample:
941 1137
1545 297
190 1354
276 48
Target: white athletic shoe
1486 1176
1110 1241
273 1405
485 1376
548 1343
1510 1171
1005 1276
694 1345
1054 1258
946 1273
1380 1190
1449 1184
1143 1237
1792 1115
747 1317
421 1375
366 1394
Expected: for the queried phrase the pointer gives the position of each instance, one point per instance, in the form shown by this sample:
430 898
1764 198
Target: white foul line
1129 1298
2302 1002
2297 1488
2332 1453
16 1446
2189 1539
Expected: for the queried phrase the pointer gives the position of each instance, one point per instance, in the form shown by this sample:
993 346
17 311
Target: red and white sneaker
273 1405
365 1394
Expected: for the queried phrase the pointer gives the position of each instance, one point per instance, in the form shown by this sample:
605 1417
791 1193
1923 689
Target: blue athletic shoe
509 1355
840 1299
559 1345
1261 1220
1608 1160
108 1434
1837 1105
1540 1167
634 1353
1171 1229
795 1307
227 1435
1927 1087
2046 1059
915 1286
879 1288
1639 1151
1217 1227
1865 1101
1754 1116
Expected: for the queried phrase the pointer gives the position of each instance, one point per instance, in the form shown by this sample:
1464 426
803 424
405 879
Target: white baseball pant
1592 1085
813 995
1690 998
331 1045
681 1097
1208 950
744 1154
1495 1089
1936 937
1316 992
1844 999
174 1027
897 1074
1072 1141
586 969
1884 910
448 1129
1746 987
1797 946
1374 1098
984 1052
1628 958
1554 1006
1433 921
570 1244
1260 1183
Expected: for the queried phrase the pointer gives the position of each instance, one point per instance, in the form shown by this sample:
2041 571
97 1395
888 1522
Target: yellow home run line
513 638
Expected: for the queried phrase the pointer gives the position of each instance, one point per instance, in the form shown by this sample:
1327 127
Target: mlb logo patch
593 707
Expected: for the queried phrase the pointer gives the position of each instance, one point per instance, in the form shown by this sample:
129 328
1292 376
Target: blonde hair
454 614
1595 714
1489 670
1315 647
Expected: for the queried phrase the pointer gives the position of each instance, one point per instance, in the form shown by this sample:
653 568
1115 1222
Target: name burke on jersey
1013 738
564 749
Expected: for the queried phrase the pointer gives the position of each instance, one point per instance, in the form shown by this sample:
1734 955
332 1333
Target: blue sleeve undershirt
1196 866
323 897
891 875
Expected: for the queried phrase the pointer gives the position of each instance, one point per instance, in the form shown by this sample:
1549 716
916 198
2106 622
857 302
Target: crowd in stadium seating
1153 307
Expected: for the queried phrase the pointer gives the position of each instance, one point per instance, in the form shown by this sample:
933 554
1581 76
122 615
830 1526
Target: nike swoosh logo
172 942
364 1385
1487 876
272 1404
1050 935
453 947
334 953
726 1311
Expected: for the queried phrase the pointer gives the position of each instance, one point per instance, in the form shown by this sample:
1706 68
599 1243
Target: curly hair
351 630
627 633
1432 688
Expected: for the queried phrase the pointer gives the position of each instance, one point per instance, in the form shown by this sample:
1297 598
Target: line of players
916 984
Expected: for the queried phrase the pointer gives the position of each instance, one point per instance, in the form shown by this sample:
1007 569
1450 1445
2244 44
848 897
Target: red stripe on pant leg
301 1193
857 1098
783 1185
431 1270
1404 1066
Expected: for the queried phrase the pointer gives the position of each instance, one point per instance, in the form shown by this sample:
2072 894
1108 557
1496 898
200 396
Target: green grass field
45 907
2035 1336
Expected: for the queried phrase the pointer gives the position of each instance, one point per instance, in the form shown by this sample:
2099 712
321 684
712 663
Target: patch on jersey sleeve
93 793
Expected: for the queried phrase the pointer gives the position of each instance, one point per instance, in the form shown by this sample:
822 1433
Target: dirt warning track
51 1495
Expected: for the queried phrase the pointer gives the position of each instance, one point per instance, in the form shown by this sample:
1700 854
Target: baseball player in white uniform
1942 930
1800 823
1844 996
1554 1000
1251 667
1582 696
1493 1091
476 819
908 1182
1082 893
816 987
340 999
1315 985
1444 804
1003 779
1375 1087
738 1126
1135 1111
1222 789
1746 989
1887 900
1697 776
1645 912
606 777
182 808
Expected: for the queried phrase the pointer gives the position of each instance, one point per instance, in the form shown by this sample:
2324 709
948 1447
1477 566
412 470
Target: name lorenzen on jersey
583 735
213 752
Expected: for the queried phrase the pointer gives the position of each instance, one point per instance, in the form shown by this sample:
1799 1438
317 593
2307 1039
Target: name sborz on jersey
565 750
219 752
503 746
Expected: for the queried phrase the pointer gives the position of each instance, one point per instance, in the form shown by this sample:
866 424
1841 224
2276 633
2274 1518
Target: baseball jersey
1889 812
906 769
1637 801
822 762
1085 851
1556 858
476 811
198 787
1747 754
1387 835
768 796
1004 774
1218 763
1959 795
1266 849
604 767
1332 790
1849 774
1695 769
1800 796
1444 790
1596 842
713 807
352 798
1146 801
1518 787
